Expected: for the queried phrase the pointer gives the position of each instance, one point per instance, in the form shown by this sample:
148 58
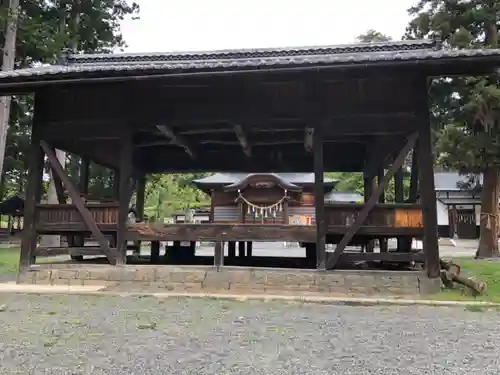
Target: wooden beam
176 139
372 201
243 139
319 199
33 194
78 202
308 139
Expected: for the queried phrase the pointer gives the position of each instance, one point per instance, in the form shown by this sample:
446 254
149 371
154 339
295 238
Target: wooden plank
332 261
33 193
319 201
78 202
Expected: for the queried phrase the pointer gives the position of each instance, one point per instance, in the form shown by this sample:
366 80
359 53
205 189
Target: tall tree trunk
489 220
8 61
489 226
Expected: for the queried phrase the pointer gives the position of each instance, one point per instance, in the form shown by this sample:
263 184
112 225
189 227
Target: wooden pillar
33 194
249 249
368 187
427 190
398 186
399 198
319 199
219 255
231 250
382 241
84 175
241 249
380 176
139 207
124 194
413 191
155 252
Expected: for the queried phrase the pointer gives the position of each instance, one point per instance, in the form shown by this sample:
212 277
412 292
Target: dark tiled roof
127 58
231 178
183 62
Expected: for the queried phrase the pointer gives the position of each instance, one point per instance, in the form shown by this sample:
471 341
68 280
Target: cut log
451 274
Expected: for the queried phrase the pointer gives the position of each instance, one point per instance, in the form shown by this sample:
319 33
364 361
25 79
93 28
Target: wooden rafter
372 201
177 139
308 139
77 201
243 139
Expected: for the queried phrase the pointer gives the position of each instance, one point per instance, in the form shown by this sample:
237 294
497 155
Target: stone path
115 335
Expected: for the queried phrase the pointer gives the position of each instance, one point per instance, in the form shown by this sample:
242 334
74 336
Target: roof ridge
69 58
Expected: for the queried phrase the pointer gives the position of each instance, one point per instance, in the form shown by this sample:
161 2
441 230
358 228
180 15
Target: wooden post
427 190
368 187
241 249
139 206
413 191
155 252
231 250
372 201
249 249
319 199
399 198
83 183
125 193
219 255
382 241
380 176
33 194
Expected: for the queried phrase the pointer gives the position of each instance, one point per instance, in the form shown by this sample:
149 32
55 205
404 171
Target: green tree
465 111
45 28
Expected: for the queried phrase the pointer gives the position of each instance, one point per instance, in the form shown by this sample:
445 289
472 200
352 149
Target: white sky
184 25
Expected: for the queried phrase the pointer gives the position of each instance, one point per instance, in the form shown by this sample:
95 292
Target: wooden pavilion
359 107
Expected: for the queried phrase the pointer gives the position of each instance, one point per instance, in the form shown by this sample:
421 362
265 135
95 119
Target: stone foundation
234 280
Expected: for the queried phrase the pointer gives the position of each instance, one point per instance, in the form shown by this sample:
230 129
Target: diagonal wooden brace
370 204
78 201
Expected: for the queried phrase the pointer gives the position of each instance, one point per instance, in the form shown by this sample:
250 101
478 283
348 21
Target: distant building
458 205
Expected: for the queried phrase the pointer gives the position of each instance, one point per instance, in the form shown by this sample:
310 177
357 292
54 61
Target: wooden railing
383 215
60 217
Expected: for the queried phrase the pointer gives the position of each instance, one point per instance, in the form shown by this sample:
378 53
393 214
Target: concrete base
206 279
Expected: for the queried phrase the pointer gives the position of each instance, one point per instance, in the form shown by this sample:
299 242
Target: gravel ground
104 335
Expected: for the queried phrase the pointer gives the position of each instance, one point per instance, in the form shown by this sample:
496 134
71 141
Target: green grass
9 259
485 270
